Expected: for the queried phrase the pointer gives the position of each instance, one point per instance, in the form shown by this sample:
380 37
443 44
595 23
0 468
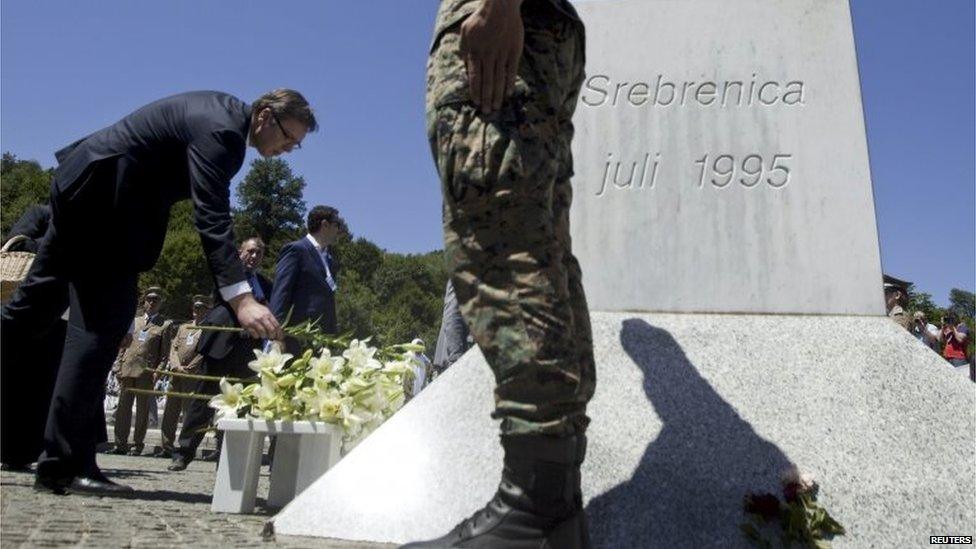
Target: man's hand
255 318
491 46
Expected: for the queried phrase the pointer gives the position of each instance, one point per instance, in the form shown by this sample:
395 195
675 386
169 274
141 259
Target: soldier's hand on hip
255 318
491 45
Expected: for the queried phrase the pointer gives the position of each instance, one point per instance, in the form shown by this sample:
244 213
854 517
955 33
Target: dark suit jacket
32 224
300 286
114 188
218 346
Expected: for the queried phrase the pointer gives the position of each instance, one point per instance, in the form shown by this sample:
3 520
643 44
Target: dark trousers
199 414
102 305
26 389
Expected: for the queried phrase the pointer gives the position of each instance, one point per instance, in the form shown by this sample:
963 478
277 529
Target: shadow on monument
687 490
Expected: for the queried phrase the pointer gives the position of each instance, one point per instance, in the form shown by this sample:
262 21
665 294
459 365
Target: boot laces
495 508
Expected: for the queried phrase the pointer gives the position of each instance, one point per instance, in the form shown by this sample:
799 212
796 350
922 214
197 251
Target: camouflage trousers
505 179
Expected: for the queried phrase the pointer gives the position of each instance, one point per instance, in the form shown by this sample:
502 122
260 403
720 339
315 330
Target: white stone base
691 412
304 451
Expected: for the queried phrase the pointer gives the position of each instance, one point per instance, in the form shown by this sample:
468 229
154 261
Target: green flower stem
217 329
202 377
307 333
169 394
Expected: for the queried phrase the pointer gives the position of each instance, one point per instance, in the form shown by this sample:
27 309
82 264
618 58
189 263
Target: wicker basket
13 267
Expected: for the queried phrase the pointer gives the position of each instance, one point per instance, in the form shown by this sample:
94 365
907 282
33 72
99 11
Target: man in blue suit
305 277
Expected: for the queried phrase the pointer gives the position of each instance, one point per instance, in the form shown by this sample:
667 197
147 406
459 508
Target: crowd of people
156 348
950 338
157 353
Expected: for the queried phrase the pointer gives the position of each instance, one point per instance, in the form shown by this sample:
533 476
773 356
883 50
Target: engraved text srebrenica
600 90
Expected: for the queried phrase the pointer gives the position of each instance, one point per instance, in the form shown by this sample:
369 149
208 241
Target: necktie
329 279
252 279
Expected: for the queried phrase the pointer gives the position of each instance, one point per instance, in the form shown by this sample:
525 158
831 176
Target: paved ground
167 510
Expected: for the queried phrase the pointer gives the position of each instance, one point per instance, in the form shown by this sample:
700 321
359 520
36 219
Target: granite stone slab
720 159
691 412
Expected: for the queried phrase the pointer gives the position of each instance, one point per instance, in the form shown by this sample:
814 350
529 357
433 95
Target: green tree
356 306
23 183
271 204
921 301
391 297
411 290
963 303
360 256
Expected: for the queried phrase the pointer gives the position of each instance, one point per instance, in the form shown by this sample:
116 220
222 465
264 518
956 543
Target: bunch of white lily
355 390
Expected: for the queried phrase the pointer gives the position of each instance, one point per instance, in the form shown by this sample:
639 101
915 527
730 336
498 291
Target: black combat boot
538 504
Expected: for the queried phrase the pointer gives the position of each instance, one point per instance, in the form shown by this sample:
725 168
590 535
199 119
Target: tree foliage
921 301
24 183
271 204
389 296
963 303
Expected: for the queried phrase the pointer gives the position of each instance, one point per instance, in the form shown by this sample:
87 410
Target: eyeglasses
296 143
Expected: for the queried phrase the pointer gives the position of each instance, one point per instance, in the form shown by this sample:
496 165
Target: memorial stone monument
724 219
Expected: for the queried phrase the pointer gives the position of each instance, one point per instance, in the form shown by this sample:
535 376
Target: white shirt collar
315 243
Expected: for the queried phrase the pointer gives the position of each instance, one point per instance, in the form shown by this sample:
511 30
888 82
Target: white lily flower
266 394
356 390
273 360
326 367
398 367
328 407
229 400
360 356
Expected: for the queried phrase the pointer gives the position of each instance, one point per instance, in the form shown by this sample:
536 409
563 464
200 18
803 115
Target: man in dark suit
32 224
305 276
224 354
110 200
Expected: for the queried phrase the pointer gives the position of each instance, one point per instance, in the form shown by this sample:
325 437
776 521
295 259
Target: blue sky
68 68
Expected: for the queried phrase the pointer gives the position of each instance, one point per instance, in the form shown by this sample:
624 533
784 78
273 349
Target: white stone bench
303 452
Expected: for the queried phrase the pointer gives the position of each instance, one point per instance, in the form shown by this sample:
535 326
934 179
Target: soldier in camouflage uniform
500 127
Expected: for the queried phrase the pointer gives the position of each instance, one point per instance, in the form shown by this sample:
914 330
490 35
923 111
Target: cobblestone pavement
168 509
